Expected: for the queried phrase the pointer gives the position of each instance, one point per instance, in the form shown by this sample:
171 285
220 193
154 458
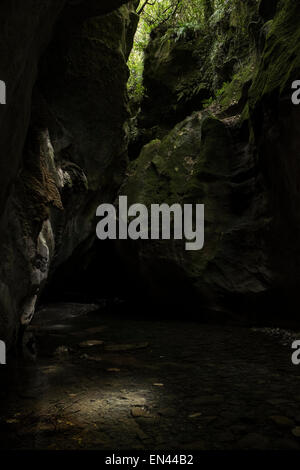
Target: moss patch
281 59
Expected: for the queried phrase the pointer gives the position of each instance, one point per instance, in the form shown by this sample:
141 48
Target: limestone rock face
185 65
63 136
274 121
199 162
240 157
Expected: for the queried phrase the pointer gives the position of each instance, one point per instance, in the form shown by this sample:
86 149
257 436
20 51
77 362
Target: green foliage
218 95
136 67
181 30
208 102
178 16
222 90
220 31
188 90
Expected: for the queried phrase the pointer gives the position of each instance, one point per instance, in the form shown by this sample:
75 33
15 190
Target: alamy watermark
296 354
296 94
296 101
2 92
136 222
2 353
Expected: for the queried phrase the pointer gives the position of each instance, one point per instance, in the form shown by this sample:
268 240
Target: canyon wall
63 136
238 153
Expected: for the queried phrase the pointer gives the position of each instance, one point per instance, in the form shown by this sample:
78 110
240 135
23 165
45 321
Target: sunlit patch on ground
101 382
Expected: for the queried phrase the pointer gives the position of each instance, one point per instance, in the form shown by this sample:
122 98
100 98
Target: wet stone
254 441
170 412
282 421
208 400
123 395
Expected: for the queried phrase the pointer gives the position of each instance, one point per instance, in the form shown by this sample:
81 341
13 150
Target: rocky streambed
100 383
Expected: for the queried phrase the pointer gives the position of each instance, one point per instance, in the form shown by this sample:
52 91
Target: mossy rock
281 59
193 164
184 68
274 126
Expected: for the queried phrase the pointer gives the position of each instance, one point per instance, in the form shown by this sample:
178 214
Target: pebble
282 420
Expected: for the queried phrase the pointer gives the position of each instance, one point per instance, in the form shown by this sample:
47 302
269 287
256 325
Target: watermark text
2 353
161 222
296 94
2 92
296 354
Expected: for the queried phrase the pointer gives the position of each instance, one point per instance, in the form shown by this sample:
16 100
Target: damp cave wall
63 136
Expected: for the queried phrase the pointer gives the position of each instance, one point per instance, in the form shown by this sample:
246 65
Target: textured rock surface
195 387
201 161
274 130
62 131
185 66
244 167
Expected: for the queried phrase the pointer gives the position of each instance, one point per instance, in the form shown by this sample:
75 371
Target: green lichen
188 166
234 90
281 60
